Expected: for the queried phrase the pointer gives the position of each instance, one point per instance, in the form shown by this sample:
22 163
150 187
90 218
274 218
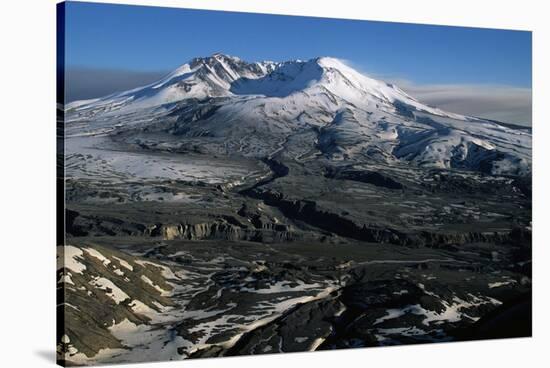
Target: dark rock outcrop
364 176
222 230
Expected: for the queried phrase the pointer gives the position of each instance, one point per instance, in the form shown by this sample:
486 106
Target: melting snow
72 259
116 293
94 253
65 278
124 264
493 285
158 288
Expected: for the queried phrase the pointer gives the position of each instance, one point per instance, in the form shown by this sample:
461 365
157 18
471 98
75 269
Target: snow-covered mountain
226 76
315 109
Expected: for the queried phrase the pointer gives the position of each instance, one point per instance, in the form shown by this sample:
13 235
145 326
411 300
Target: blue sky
486 72
151 38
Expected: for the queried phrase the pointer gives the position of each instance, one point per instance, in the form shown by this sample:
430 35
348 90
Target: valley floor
285 257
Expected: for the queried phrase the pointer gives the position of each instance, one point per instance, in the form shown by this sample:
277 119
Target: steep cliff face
224 231
309 212
256 228
250 226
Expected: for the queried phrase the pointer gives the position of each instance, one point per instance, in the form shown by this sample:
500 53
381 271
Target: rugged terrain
244 208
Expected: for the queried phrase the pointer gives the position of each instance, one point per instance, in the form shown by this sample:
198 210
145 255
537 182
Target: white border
27 131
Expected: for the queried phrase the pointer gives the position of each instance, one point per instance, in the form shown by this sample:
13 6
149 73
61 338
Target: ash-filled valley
239 208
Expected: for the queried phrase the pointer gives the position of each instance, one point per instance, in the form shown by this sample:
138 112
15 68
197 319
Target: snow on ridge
94 253
124 264
111 290
215 75
183 69
72 257
222 75
155 286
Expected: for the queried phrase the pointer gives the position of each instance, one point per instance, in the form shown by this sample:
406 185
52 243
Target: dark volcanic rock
364 176
302 328
514 318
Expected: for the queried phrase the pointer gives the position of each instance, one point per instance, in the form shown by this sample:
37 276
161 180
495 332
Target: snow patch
158 288
72 258
94 253
111 290
124 264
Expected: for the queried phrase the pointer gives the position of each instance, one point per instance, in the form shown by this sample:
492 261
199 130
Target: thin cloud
507 104
83 83
503 103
